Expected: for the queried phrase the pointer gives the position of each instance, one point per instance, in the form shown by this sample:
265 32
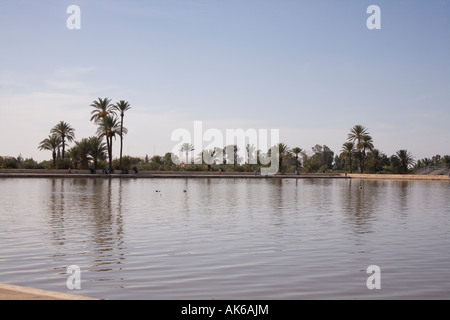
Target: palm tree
356 133
406 160
187 147
64 131
366 144
376 160
283 150
121 107
84 148
251 158
51 143
74 154
359 135
97 150
296 151
348 150
109 127
102 108
446 161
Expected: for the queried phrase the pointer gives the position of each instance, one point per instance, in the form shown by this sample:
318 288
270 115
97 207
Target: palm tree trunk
351 167
63 146
54 158
121 141
110 153
363 156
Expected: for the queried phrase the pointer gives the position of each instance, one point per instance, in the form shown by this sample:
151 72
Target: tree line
109 119
358 152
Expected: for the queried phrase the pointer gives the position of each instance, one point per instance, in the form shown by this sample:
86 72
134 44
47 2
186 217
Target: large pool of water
227 238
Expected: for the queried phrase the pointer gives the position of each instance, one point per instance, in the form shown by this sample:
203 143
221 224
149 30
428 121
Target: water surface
227 238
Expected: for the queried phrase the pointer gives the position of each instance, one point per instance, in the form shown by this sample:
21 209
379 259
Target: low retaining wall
43 173
398 177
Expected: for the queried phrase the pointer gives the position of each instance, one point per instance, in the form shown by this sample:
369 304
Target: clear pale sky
310 68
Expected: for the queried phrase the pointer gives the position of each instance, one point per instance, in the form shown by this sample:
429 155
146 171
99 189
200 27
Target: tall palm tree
365 145
283 150
406 160
97 150
109 127
121 107
51 143
356 134
64 131
102 108
296 151
348 150
187 147
359 135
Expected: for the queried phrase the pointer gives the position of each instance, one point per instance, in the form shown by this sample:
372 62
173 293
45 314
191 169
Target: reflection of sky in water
226 238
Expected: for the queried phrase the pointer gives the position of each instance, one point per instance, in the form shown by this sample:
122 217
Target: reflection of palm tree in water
358 205
108 232
87 211
56 220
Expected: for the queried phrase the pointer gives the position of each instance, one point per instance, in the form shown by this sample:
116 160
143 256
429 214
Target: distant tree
64 131
157 160
359 135
394 164
102 108
211 156
121 107
296 151
74 155
97 150
187 148
283 150
347 153
406 160
109 127
446 161
366 144
251 153
84 148
51 144
168 161
376 160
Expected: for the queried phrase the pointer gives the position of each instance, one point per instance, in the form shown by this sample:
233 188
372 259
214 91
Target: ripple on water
227 239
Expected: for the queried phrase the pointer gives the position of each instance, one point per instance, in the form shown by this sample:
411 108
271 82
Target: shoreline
14 292
43 173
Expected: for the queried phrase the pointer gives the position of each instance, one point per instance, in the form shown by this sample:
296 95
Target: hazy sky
310 68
